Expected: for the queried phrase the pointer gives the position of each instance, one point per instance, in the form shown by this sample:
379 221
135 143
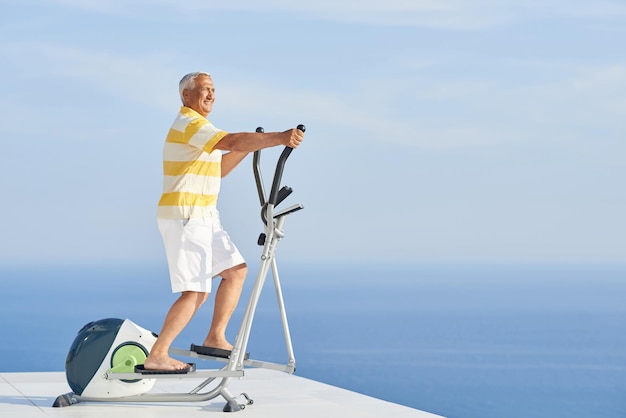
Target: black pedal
142 370
214 352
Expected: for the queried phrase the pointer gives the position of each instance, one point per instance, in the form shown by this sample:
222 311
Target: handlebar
280 166
256 165
276 194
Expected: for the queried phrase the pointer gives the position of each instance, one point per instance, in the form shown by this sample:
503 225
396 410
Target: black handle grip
279 171
256 166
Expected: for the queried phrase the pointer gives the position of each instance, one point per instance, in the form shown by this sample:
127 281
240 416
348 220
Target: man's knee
237 273
197 298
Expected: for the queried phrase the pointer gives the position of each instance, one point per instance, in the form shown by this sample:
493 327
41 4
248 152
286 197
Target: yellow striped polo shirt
191 167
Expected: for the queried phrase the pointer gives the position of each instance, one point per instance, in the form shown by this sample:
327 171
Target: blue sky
438 131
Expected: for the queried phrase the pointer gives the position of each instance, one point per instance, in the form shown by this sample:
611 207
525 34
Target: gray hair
188 82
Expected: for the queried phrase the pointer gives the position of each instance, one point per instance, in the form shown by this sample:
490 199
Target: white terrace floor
275 395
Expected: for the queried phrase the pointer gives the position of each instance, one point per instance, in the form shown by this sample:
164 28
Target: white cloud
480 112
449 14
582 9
137 78
585 100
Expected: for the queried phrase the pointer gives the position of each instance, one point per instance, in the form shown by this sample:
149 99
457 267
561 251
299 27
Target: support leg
231 402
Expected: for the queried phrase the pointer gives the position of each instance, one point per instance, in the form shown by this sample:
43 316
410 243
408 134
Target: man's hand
292 138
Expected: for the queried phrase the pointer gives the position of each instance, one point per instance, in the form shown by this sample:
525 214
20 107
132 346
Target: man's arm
230 160
254 141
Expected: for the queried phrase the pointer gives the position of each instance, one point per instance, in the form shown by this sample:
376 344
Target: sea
462 340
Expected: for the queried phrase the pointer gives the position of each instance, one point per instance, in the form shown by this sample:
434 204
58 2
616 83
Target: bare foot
164 363
218 343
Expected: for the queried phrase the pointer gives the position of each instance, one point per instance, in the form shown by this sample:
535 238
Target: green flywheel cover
126 357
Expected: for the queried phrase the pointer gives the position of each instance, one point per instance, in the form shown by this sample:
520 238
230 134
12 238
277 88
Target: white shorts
197 250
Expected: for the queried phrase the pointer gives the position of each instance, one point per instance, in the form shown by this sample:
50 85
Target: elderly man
196 156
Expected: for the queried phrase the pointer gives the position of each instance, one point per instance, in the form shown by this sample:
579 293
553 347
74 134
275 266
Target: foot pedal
140 369
214 352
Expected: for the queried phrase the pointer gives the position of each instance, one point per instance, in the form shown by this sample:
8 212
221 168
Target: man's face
201 97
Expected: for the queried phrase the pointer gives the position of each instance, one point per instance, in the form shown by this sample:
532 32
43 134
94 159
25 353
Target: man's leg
226 299
176 320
